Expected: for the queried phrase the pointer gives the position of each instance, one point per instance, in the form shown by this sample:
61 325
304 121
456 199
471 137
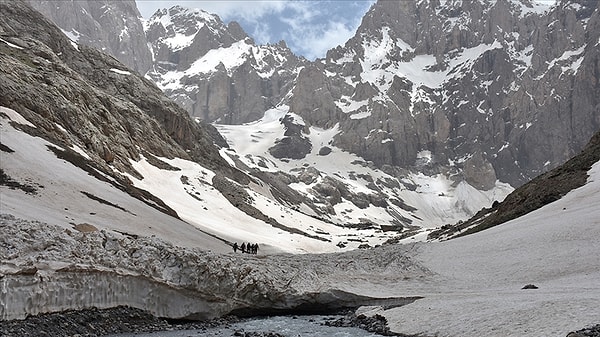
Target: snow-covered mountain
218 74
454 99
120 125
492 90
431 112
215 71
464 91
87 141
116 196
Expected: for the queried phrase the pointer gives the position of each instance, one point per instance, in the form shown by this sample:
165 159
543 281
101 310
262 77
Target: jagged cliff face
506 87
111 26
215 71
493 90
418 121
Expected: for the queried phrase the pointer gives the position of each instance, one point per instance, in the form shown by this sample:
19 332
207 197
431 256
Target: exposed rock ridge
111 113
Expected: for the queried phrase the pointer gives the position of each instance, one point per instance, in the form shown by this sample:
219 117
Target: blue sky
309 28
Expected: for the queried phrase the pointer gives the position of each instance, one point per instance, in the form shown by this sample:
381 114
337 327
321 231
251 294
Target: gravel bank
95 322
593 331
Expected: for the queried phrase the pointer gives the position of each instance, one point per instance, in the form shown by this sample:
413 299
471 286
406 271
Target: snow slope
200 204
436 199
479 277
60 200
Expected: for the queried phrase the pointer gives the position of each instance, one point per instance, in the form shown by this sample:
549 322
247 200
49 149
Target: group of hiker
246 248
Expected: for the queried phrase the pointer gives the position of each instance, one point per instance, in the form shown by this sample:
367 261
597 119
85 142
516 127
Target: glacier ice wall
46 268
22 295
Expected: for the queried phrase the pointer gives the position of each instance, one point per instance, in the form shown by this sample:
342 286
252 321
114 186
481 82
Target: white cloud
248 10
314 41
310 28
262 33
313 33
336 34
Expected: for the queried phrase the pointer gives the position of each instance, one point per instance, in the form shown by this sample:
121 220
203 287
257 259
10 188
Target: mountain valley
134 174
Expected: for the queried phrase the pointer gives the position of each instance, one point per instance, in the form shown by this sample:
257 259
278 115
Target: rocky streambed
99 322
126 320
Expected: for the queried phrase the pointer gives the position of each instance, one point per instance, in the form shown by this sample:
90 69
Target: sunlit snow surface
59 199
481 275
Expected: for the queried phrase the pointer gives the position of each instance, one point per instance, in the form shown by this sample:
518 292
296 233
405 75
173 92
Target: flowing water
289 326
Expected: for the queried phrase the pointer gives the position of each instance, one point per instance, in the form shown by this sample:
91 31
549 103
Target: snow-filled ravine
436 199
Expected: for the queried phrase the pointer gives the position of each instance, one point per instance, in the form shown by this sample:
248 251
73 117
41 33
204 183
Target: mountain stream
289 326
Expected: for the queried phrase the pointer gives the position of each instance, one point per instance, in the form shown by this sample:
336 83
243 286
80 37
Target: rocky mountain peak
428 75
215 71
237 31
437 28
179 36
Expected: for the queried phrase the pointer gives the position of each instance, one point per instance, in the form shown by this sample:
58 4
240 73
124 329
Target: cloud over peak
310 28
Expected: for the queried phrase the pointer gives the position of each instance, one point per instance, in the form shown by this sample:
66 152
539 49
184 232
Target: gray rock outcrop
504 81
78 95
111 26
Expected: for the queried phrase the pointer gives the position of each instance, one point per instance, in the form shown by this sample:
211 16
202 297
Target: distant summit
215 71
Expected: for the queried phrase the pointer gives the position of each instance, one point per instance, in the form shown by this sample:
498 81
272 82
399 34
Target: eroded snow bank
47 268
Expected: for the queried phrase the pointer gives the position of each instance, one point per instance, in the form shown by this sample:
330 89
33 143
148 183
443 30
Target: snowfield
479 277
